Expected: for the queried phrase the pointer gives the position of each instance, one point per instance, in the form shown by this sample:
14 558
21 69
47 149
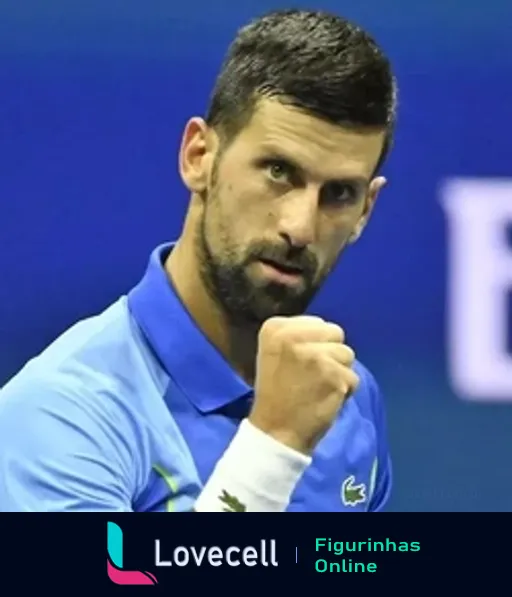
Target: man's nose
298 217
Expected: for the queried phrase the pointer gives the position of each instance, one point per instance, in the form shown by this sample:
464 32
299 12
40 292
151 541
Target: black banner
210 553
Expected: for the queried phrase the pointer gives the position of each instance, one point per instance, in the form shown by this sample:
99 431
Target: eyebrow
272 154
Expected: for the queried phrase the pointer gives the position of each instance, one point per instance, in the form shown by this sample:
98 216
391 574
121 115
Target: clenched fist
303 376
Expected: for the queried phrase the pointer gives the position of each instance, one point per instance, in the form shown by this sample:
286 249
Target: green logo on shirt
232 503
352 494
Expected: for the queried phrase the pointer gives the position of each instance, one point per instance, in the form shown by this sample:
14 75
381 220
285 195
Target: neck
238 346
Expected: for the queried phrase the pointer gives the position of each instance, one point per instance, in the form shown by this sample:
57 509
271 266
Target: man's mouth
283 267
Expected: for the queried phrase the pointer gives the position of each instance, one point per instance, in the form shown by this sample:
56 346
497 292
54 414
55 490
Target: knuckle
271 325
309 319
352 382
349 356
346 380
337 330
307 356
271 332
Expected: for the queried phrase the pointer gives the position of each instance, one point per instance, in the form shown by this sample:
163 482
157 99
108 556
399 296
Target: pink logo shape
129 577
115 570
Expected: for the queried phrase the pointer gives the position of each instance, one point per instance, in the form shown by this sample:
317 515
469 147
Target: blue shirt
131 409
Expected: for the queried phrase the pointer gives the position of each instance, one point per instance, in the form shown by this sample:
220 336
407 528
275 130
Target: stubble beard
243 302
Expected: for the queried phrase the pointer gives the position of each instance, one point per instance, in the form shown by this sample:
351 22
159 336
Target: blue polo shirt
130 410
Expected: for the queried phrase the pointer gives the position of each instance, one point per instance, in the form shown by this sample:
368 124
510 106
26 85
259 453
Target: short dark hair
316 61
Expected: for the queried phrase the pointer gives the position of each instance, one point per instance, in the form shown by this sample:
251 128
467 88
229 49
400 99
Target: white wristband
255 474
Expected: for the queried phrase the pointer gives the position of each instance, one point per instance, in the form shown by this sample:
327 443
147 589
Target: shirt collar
187 355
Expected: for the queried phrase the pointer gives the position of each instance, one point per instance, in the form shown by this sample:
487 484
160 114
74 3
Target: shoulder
50 406
103 360
79 388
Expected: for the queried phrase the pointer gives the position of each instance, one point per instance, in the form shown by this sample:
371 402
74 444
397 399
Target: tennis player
208 387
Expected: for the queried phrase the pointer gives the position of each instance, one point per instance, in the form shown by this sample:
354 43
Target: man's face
282 201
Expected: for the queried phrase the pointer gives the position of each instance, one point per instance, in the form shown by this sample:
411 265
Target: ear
374 189
196 154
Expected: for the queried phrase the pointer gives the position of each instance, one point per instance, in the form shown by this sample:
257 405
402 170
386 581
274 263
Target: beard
247 301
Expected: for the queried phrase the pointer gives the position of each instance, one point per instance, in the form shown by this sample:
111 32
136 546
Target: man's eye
340 193
345 193
278 170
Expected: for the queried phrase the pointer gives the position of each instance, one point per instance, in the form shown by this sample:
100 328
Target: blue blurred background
93 100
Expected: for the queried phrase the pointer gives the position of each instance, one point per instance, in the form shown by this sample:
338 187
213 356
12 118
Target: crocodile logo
232 503
352 494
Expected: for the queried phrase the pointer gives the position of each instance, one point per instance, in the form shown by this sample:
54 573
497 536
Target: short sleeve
61 451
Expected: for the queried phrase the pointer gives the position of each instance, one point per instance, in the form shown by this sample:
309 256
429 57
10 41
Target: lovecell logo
116 573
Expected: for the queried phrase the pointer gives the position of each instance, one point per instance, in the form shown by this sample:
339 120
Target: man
207 388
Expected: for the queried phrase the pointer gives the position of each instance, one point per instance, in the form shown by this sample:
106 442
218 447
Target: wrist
257 473
284 437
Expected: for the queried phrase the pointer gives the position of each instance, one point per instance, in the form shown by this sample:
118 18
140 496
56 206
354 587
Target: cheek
247 207
336 229
334 238
230 221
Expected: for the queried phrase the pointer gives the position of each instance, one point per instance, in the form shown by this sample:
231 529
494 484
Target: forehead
319 146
